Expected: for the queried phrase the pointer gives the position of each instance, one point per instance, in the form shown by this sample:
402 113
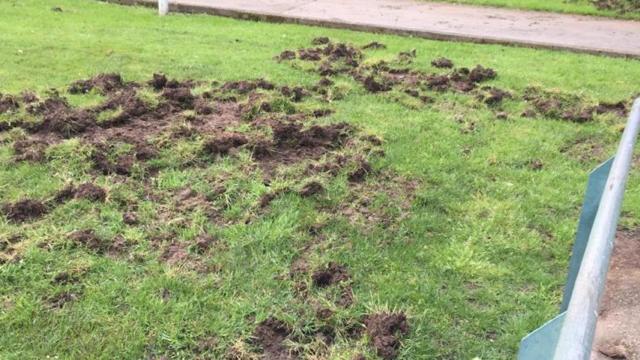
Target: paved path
437 21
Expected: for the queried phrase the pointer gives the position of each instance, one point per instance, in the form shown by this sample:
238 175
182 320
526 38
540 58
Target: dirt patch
89 239
311 188
385 331
60 300
270 335
442 63
221 145
104 83
8 103
619 319
91 192
621 6
569 107
331 274
374 45
24 210
30 149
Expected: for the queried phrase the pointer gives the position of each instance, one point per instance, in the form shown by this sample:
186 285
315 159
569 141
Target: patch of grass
622 9
476 258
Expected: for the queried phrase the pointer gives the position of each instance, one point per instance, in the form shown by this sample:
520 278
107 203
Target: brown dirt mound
8 103
374 45
105 83
442 63
332 274
385 329
311 188
90 192
223 144
89 239
24 210
621 6
360 173
271 335
60 300
30 149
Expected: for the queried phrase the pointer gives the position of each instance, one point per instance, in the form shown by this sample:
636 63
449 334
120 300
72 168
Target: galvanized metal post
163 7
576 336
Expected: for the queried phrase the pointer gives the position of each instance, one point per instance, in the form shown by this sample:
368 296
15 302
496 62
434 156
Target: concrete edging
339 24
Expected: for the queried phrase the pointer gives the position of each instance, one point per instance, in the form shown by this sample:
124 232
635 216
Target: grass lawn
464 225
624 9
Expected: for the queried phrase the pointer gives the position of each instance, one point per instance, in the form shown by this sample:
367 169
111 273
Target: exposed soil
442 63
24 210
311 188
332 274
90 192
270 335
553 104
60 300
385 331
104 83
619 319
621 6
88 239
8 103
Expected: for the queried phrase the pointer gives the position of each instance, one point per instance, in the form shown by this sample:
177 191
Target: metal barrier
569 336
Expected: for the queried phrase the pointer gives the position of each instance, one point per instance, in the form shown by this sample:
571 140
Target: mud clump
222 145
105 83
59 118
492 96
60 300
374 86
8 103
385 329
91 192
333 273
29 150
130 218
158 82
374 45
361 172
88 239
323 40
270 335
311 188
24 210
292 135
442 63
180 97
204 243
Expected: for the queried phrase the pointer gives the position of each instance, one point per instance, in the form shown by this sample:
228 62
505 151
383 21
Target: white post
163 7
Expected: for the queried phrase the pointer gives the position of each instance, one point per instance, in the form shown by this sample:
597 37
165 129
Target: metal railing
569 336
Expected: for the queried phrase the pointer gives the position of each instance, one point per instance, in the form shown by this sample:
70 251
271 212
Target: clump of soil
24 210
360 173
8 103
204 242
61 119
374 45
320 40
105 83
87 191
385 331
621 6
130 218
311 188
30 149
223 144
331 274
293 135
89 239
442 63
569 107
270 335
60 300
492 96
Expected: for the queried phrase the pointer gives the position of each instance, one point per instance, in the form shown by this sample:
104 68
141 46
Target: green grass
479 261
582 7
